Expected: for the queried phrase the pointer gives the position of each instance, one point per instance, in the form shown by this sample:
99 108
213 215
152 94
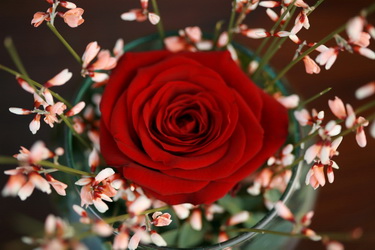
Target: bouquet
187 139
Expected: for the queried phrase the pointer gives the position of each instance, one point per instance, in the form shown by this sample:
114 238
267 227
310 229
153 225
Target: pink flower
39 18
327 57
97 189
73 17
160 219
310 66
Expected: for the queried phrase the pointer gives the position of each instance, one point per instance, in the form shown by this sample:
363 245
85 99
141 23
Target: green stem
65 43
78 136
11 48
62 168
231 21
159 25
35 85
365 107
303 104
127 216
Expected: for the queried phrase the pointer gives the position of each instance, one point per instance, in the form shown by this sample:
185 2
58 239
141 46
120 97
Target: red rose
187 127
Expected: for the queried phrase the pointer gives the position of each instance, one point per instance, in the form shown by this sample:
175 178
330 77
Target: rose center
187 124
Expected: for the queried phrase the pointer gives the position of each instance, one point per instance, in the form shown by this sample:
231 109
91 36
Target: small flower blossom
104 62
97 189
289 102
58 234
310 66
327 57
73 17
39 18
160 219
141 15
365 91
238 218
157 239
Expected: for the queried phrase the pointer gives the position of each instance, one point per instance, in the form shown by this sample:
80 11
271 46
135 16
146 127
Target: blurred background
346 204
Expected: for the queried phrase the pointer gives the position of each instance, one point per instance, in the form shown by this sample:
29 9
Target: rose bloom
187 126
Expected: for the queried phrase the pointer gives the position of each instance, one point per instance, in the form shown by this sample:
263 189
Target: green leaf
170 237
231 204
188 237
272 195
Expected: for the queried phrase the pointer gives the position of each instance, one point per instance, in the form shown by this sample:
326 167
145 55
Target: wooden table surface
342 206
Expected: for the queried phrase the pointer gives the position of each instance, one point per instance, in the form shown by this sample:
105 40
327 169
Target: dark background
342 206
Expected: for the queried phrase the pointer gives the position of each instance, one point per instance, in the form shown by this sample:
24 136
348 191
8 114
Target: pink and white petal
194 33
354 28
99 76
302 116
14 184
84 181
38 152
253 66
104 174
310 66
120 241
284 212
311 234
306 219
93 160
269 4
302 4
319 174
26 190
68 5
59 187
295 39
351 118
336 143
38 18
20 111
361 137
76 109
334 245
366 52
332 129
39 182
60 79
135 239
182 210
153 18
157 239
238 218
223 39
195 219
102 228
129 16
25 85
312 152
330 174
255 33
100 205
325 152
365 91
272 15
337 107
73 17
141 204
50 224
92 49
118 50
289 102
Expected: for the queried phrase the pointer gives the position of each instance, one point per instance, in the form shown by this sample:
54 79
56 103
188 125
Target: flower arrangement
179 146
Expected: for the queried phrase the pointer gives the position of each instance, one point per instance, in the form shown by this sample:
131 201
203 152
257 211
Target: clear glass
297 196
